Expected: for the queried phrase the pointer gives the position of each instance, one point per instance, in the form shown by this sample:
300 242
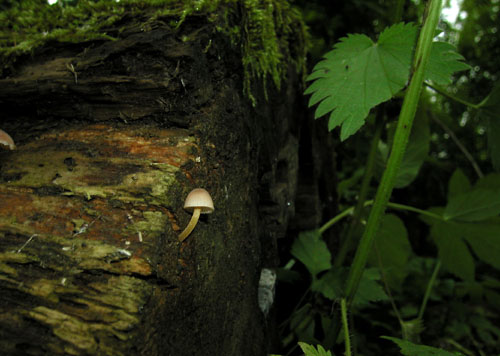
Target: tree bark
111 136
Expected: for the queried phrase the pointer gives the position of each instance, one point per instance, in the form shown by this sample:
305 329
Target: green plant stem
398 11
459 144
363 192
476 344
460 347
345 326
335 219
429 289
386 286
450 96
405 121
395 206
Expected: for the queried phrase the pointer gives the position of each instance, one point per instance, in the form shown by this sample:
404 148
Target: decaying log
111 136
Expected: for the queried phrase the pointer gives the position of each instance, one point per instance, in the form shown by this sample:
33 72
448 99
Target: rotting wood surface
111 137
81 219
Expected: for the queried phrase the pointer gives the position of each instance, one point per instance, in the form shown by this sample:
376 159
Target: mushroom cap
199 198
6 140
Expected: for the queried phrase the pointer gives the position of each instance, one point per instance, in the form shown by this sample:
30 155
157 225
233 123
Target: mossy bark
111 137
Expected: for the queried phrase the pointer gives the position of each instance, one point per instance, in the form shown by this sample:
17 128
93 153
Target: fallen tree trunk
111 136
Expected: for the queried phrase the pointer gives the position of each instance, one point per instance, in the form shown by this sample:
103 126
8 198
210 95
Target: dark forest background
459 150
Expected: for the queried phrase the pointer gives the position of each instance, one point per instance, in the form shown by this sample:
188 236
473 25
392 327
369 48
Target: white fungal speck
267 282
124 252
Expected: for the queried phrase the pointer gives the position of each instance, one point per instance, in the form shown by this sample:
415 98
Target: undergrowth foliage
359 74
386 273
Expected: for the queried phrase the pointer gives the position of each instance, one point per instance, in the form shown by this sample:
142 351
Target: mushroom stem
190 226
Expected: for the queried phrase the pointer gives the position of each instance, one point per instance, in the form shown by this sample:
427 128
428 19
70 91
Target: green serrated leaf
458 184
443 62
452 250
369 289
489 182
484 240
392 250
475 205
410 349
359 74
309 249
330 284
416 152
309 350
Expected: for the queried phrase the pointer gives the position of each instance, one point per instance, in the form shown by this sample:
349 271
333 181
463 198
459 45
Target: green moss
154 183
269 33
79 223
153 224
165 180
272 34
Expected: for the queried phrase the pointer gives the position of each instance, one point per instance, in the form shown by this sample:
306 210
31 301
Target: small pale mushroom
198 202
6 140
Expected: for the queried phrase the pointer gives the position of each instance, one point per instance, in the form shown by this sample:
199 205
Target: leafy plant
410 349
357 75
310 350
358 69
467 224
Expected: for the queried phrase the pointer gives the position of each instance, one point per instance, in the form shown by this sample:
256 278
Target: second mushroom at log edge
6 140
198 202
